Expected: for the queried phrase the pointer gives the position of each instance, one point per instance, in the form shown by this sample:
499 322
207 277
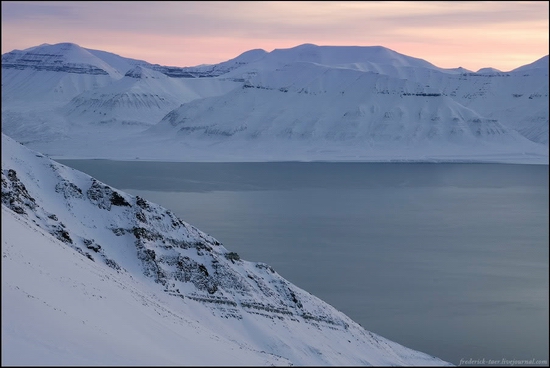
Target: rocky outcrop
186 262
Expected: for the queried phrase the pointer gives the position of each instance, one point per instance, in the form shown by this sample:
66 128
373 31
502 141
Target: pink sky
499 34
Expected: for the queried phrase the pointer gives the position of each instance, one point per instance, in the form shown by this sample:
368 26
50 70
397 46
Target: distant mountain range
304 103
95 276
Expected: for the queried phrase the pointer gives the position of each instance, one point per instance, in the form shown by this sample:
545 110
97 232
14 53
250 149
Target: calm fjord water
448 259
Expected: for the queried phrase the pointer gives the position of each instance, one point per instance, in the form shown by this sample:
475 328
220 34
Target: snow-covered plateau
306 103
95 276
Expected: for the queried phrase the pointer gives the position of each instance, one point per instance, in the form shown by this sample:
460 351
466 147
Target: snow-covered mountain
376 95
92 275
142 97
63 57
316 102
62 91
52 74
303 103
541 63
25 71
376 59
71 58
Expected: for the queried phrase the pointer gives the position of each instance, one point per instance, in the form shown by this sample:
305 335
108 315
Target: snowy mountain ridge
217 301
63 57
71 58
541 63
309 102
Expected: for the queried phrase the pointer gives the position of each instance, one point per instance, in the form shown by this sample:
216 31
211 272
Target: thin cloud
180 31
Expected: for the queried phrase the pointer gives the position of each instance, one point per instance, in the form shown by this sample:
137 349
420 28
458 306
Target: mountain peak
488 71
61 57
541 63
250 55
61 46
58 49
338 56
305 45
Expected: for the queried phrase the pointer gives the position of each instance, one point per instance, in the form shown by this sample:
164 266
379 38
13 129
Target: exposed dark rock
67 68
141 217
163 244
142 233
14 193
119 231
232 256
99 195
118 200
90 244
112 264
142 203
62 234
68 189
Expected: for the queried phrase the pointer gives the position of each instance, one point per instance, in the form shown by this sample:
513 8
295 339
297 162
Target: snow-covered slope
52 74
541 63
71 58
516 99
142 97
214 70
95 276
312 102
38 80
311 108
62 91
366 58
63 57
125 64
303 103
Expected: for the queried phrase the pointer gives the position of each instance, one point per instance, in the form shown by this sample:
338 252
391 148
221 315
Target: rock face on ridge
63 57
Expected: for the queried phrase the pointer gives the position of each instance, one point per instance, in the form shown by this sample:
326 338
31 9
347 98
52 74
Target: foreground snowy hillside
95 276
303 103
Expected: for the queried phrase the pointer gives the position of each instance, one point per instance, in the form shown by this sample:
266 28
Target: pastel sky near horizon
449 34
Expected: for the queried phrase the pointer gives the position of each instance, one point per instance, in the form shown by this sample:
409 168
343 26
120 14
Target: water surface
448 259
